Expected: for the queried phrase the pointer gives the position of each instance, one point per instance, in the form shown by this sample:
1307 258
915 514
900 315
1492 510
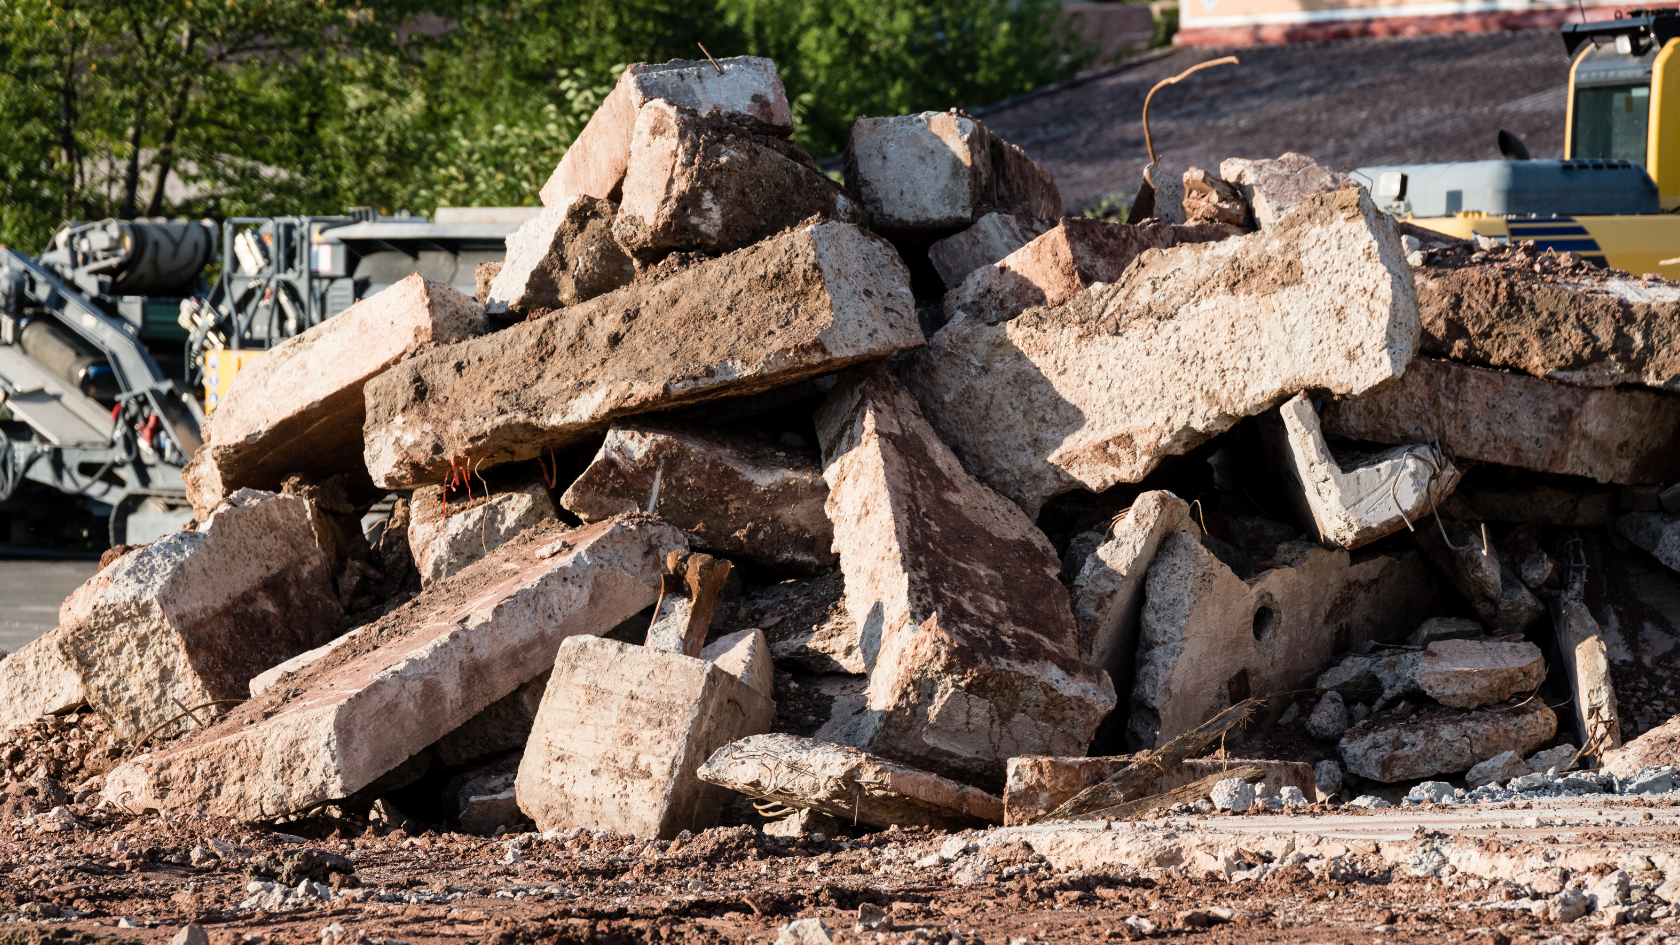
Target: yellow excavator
1614 196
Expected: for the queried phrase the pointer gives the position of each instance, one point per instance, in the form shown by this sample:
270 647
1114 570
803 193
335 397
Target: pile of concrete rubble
908 501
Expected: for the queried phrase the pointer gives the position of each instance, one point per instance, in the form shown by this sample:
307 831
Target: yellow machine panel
1637 244
219 369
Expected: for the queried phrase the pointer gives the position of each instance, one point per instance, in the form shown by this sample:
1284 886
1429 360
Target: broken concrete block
622 732
991 238
688 595
805 622
1590 329
1211 200
1444 741
565 255
1620 435
1232 794
850 785
1274 188
1209 639
807 302
1469 674
1353 500
1096 392
39 679
1063 262
1166 184
1656 747
967 634
939 172
1635 602
443 546
1329 718
1038 785
299 408
747 92
703 184
1445 628
1496 770
1382 676
1655 532
503 726
190 618
746 656
446 656
1327 775
1468 556
1586 662
737 497
1108 594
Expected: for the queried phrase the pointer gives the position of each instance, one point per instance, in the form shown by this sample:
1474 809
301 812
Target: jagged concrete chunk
1038 785
738 497
806 302
1444 741
1210 199
702 184
190 618
563 256
299 407
1274 188
1655 532
1063 262
1107 596
848 784
939 172
746 656
747 92
447 656
39 679
970 645
442 546
1354 500
1096 392
991 238
1586 663
621 734
1621 435
1468 674
1210 639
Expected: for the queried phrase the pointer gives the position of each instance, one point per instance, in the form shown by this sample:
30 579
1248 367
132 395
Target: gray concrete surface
30 592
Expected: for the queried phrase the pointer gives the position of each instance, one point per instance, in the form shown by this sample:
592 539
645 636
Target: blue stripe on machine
1528 232
1579 246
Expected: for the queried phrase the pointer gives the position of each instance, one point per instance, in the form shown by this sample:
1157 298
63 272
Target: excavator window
1611 122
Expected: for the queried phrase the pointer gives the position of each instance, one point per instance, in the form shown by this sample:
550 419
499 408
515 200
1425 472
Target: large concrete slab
299 407
622 733
1622 435
807 302
970 646
414 676
1189 341
737 496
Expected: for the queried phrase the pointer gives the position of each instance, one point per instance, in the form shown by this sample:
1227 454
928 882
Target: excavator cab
1623 78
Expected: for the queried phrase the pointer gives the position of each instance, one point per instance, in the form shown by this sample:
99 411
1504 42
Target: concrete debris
967 634
444 658
1233 794
1098 391
702 184
1396 746
299 408
747 92
1353 500
990 239
737 496
1616 434
746 656
1329 718
833 294
1469 674
1037 785
1063 262
565 255
939 172
688 595
1273 188
445 539
1586 662
1659 746
1486 577
621 736
805 622
847 784
482 799
1211 200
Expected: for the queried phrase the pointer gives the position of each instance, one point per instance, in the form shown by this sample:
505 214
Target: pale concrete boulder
190 618
1274 188
1098 391
1208 638
847 784
39 679
1468 674
1038 784
939 172
745 655
1354 500
806 302
1329 718
563 256
991 238
299 407
622 733
443 546
738 497
1107 595
702 184
1062 262
444 658
747 92
1655 532
970 646
1444 741
1618 434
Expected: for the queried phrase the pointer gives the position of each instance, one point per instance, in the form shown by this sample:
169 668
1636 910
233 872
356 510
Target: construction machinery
1613 196
106 337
